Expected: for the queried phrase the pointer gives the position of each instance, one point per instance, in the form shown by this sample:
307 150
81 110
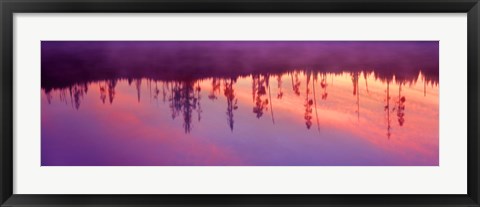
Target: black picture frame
9 7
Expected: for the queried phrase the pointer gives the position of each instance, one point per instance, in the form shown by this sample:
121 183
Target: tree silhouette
366 81
279 85
63 96
259 86
229 93
165 88
323 85
270 97
48 94
308 104
111 84
356 92
387 109
315 100
76 94
103 93
197 100
296 85
215 89
156 92
401 106
175 100
138 85
184 100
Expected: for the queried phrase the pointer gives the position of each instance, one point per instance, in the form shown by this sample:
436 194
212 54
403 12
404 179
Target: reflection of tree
63 96
323 85
366 82
85 88
279 85
198 97
184 96
308 104
138 85
315 101
401 106
270 98
111 90
355 82
103 92
296 84
259 87
165 88
356 92
107 88
215 89
387 109
254 87
175 104
184 101
424 87
229 93
149 85
156 92
76 94
48 94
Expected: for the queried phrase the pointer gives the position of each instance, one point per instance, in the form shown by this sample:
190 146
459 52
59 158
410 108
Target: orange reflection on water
294 118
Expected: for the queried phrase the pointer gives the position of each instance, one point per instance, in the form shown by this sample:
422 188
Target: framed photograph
239 103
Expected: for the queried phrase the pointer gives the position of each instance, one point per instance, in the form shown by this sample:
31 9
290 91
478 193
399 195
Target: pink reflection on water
295 118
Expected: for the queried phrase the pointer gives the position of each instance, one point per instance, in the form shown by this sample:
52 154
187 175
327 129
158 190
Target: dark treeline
66 63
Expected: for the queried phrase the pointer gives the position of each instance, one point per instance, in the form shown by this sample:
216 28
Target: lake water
240 103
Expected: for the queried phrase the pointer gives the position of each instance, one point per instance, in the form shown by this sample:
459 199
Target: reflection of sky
132 132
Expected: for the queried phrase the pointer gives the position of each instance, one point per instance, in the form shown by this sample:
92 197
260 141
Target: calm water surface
115 104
